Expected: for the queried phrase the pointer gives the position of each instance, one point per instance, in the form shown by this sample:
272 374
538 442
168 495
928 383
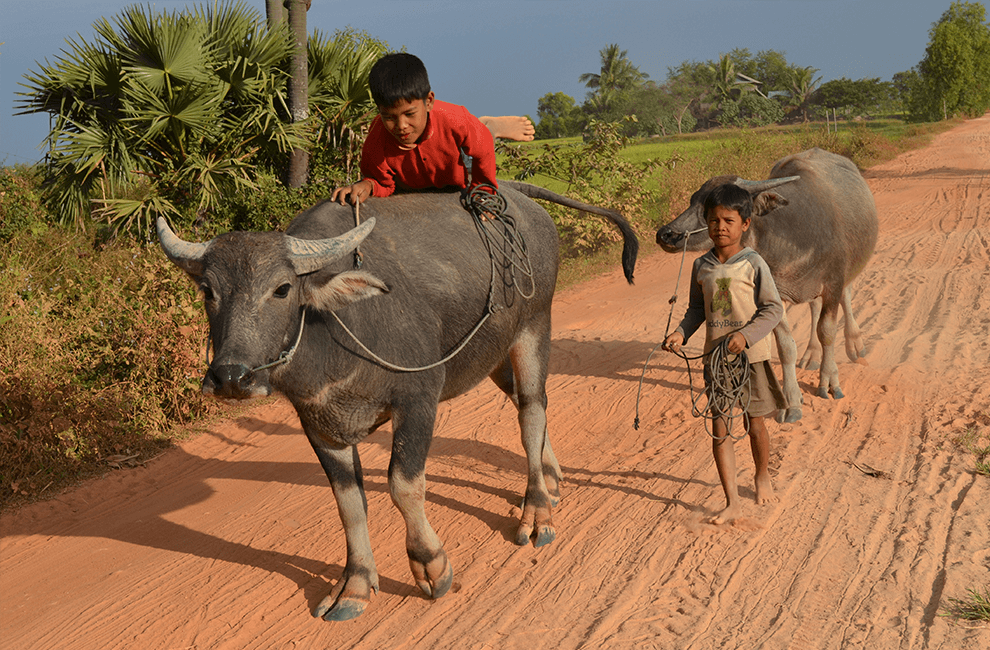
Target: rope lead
728 374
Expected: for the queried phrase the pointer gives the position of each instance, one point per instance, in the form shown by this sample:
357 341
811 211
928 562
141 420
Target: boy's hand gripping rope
728 374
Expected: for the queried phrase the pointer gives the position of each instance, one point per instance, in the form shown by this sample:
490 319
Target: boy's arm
695 314
374 169
769 307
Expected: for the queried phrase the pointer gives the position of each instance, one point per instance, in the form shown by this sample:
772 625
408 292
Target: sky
498 57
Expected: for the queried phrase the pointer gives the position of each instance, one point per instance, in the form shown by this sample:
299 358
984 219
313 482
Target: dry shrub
101 354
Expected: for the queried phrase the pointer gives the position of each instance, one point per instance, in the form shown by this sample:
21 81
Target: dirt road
229 541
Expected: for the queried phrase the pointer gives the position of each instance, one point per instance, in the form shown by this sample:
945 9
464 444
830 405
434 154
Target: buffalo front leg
413 432
352 593
529 357
787 352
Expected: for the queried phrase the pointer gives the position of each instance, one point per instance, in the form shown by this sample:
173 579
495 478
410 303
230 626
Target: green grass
977 442
974 607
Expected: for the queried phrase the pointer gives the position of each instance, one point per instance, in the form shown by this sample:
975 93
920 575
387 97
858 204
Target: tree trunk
298 98
275 12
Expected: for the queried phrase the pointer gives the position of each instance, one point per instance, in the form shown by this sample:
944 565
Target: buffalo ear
768 201
341 289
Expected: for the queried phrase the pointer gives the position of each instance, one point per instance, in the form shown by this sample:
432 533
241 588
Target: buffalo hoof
339 610
538 520
789 416
433 577
544 536
440 587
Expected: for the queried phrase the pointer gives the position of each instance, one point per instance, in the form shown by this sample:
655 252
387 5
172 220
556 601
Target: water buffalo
353 348
815 223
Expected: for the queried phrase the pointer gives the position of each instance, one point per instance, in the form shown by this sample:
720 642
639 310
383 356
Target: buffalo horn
755 187
187 256
308 255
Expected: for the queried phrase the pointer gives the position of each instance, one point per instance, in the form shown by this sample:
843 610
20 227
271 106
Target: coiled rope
487 206
728 375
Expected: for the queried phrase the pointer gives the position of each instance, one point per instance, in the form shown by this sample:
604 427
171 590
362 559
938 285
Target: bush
20 201
101 354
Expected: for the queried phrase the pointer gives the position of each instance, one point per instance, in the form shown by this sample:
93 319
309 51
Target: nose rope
286 355
358 256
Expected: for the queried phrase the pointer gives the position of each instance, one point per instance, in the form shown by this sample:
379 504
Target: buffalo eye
283 290
207 292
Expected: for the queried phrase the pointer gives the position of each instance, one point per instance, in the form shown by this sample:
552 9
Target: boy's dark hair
730 196
397 77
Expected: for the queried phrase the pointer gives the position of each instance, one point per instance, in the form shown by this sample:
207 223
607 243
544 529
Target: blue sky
499 57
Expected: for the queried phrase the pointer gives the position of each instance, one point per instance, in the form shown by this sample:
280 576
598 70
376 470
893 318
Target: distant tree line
174 113
740 89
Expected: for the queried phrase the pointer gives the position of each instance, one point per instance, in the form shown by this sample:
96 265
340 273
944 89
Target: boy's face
726 228
406 120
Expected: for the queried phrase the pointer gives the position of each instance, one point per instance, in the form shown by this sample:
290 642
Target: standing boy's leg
723 448
759 443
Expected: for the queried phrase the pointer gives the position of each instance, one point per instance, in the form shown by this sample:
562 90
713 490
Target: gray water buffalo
428 315
815 223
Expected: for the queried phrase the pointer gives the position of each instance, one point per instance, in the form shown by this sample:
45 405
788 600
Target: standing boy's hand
737 343
355 194
673 342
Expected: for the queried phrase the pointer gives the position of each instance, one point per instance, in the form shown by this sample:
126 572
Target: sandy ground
230 540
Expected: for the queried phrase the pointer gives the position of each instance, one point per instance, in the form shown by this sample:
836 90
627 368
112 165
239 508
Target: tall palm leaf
163 112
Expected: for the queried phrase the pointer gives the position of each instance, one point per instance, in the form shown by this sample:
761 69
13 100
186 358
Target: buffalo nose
235 380
667 236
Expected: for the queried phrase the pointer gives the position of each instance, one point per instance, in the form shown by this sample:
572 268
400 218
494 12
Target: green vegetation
951 79
164 114
977 442
743 90
975 607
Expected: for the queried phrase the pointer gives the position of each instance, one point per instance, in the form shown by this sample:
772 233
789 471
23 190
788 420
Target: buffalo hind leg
352 593
854 337
411 437
787 353
502 376
529 357
828 374
812 357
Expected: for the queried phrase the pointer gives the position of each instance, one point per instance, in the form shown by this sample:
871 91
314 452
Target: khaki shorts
763 392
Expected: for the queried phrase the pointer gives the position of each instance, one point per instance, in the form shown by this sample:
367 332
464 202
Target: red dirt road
229 541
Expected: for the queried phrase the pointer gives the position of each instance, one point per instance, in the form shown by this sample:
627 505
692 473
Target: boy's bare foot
510 127
764 491
727 515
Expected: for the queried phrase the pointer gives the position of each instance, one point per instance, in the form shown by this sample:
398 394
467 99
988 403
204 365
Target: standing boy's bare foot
510 127
764 491
727 515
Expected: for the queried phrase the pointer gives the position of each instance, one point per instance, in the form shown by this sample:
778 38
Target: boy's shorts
763 391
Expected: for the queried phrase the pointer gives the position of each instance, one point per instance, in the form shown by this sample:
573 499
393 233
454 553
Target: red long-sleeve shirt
436 159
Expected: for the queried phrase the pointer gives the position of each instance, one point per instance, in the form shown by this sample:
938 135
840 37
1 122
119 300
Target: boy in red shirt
416 141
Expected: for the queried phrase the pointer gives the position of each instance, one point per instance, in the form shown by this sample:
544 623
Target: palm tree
166 109
727 85
298 167
617 77
167 113
802 86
